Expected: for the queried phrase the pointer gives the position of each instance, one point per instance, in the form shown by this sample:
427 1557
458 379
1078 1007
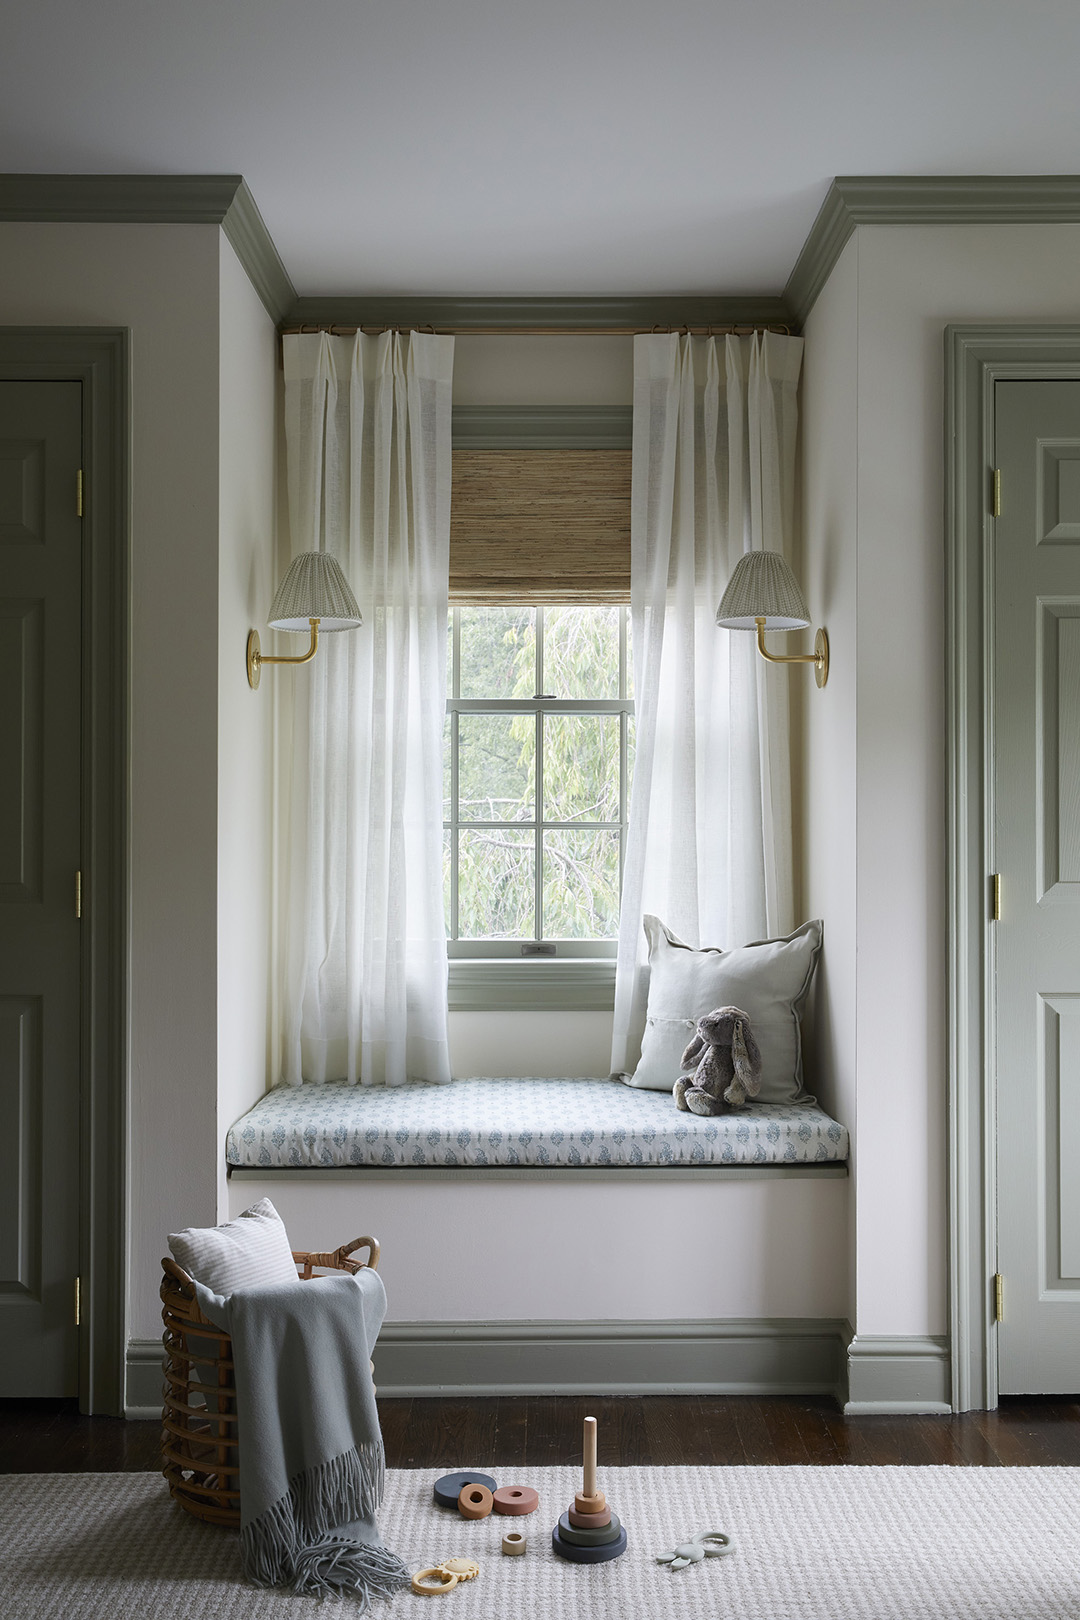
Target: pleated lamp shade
762 586
314 588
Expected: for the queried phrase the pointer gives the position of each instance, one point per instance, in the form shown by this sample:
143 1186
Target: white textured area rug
810 1544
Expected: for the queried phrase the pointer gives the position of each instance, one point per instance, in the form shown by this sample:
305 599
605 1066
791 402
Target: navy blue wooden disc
588 1555
449 1488
595 1536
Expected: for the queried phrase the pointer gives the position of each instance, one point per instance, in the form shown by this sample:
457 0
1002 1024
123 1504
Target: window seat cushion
526 1122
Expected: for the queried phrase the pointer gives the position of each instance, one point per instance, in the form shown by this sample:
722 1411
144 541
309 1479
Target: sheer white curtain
363 943
709 842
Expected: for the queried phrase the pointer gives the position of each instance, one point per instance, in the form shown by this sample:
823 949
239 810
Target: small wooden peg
588 1478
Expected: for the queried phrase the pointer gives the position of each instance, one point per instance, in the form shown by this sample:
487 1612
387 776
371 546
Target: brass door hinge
999 1297
78 1302
995 897
78 896
78 493
995 505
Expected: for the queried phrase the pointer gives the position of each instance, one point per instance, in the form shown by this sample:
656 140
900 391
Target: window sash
623 706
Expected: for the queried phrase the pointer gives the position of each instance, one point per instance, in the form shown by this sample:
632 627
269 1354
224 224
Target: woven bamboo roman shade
540 526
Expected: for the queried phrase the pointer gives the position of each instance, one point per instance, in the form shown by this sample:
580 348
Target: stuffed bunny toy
726 1064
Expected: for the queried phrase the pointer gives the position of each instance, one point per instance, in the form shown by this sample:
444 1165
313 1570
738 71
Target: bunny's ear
692 1053
746 1081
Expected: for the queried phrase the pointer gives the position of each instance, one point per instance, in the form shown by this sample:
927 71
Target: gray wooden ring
447 1489
704 1537
587 1555
599 1537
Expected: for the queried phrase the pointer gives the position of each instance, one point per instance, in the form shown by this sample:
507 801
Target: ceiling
555 147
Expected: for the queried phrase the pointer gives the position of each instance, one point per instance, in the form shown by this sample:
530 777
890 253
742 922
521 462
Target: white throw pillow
251 1250
769 980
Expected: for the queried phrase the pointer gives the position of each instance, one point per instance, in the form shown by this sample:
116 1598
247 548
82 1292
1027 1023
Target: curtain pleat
363 958
708 846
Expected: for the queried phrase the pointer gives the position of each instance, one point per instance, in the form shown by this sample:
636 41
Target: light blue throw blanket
311 1453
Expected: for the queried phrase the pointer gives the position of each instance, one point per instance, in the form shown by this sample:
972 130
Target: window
539 748
537 786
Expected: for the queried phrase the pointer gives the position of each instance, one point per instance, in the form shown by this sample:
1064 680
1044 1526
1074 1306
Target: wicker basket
200 1446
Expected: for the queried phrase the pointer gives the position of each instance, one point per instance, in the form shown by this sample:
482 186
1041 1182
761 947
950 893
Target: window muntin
539 741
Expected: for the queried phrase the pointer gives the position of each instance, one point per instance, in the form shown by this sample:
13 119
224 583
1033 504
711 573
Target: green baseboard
897 1374
737 1356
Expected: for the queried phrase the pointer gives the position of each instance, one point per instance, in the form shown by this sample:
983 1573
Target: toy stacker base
588 1555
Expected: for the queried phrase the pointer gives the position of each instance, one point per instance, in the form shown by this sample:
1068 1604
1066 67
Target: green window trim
532 984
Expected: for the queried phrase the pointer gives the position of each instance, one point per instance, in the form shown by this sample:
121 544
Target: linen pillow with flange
769 980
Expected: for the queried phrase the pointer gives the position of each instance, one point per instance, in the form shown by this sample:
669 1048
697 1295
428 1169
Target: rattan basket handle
339 1258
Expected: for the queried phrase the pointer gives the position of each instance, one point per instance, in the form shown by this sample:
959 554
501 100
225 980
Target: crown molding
158 199
852 200
986 199
541 315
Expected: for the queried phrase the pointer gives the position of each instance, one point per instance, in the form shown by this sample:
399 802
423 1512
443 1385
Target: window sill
532 984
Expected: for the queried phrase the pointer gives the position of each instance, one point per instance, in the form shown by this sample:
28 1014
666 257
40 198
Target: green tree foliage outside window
539 740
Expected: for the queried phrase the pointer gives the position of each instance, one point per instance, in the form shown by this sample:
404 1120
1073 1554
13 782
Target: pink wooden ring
590 1521
515 1499
474 1502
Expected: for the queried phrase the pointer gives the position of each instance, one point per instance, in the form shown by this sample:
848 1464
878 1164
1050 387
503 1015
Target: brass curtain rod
539 331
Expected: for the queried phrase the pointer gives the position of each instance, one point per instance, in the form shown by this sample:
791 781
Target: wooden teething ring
431 1582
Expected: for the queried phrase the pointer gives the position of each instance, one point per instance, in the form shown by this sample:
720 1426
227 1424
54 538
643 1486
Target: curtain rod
540 331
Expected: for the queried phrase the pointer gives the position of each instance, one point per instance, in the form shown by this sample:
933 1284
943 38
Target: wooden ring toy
515 1499
514 1544
588 1555
589 1521
589 1538
717 1543
590 1504
474 1502
466 1569
447 1490
431 1582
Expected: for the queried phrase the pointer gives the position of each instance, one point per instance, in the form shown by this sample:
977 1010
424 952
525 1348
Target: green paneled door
1035 734
40 820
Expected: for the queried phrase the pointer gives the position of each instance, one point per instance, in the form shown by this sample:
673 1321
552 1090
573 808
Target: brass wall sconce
313 594
763 594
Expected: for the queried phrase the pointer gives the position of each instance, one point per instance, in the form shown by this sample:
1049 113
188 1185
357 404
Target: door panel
40 822
1036 751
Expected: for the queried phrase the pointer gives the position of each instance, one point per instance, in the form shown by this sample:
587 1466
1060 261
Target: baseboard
783 1356
897 1374
737 1356
143 1378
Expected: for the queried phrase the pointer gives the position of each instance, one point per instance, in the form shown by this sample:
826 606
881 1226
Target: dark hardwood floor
52 1437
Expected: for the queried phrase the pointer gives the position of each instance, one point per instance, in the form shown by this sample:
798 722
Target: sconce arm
819 657
256 658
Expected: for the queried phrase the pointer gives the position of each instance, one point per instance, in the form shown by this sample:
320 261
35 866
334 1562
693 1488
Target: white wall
513 1251
825 718
909 282
249 381
162 282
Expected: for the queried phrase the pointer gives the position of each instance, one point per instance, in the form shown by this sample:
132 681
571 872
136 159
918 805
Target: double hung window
539 751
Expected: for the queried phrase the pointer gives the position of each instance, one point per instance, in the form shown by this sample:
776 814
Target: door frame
976 357
99 358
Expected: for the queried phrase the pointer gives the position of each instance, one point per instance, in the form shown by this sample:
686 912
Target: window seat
520 1123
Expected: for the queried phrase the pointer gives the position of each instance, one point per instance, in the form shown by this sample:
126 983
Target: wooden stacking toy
588 1532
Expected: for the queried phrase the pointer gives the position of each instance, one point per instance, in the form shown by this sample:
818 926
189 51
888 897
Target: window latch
538 947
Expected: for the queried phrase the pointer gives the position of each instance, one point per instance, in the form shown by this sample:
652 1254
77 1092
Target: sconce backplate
254 663
821 653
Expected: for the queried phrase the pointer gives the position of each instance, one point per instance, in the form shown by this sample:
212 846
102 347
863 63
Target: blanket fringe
297 1533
